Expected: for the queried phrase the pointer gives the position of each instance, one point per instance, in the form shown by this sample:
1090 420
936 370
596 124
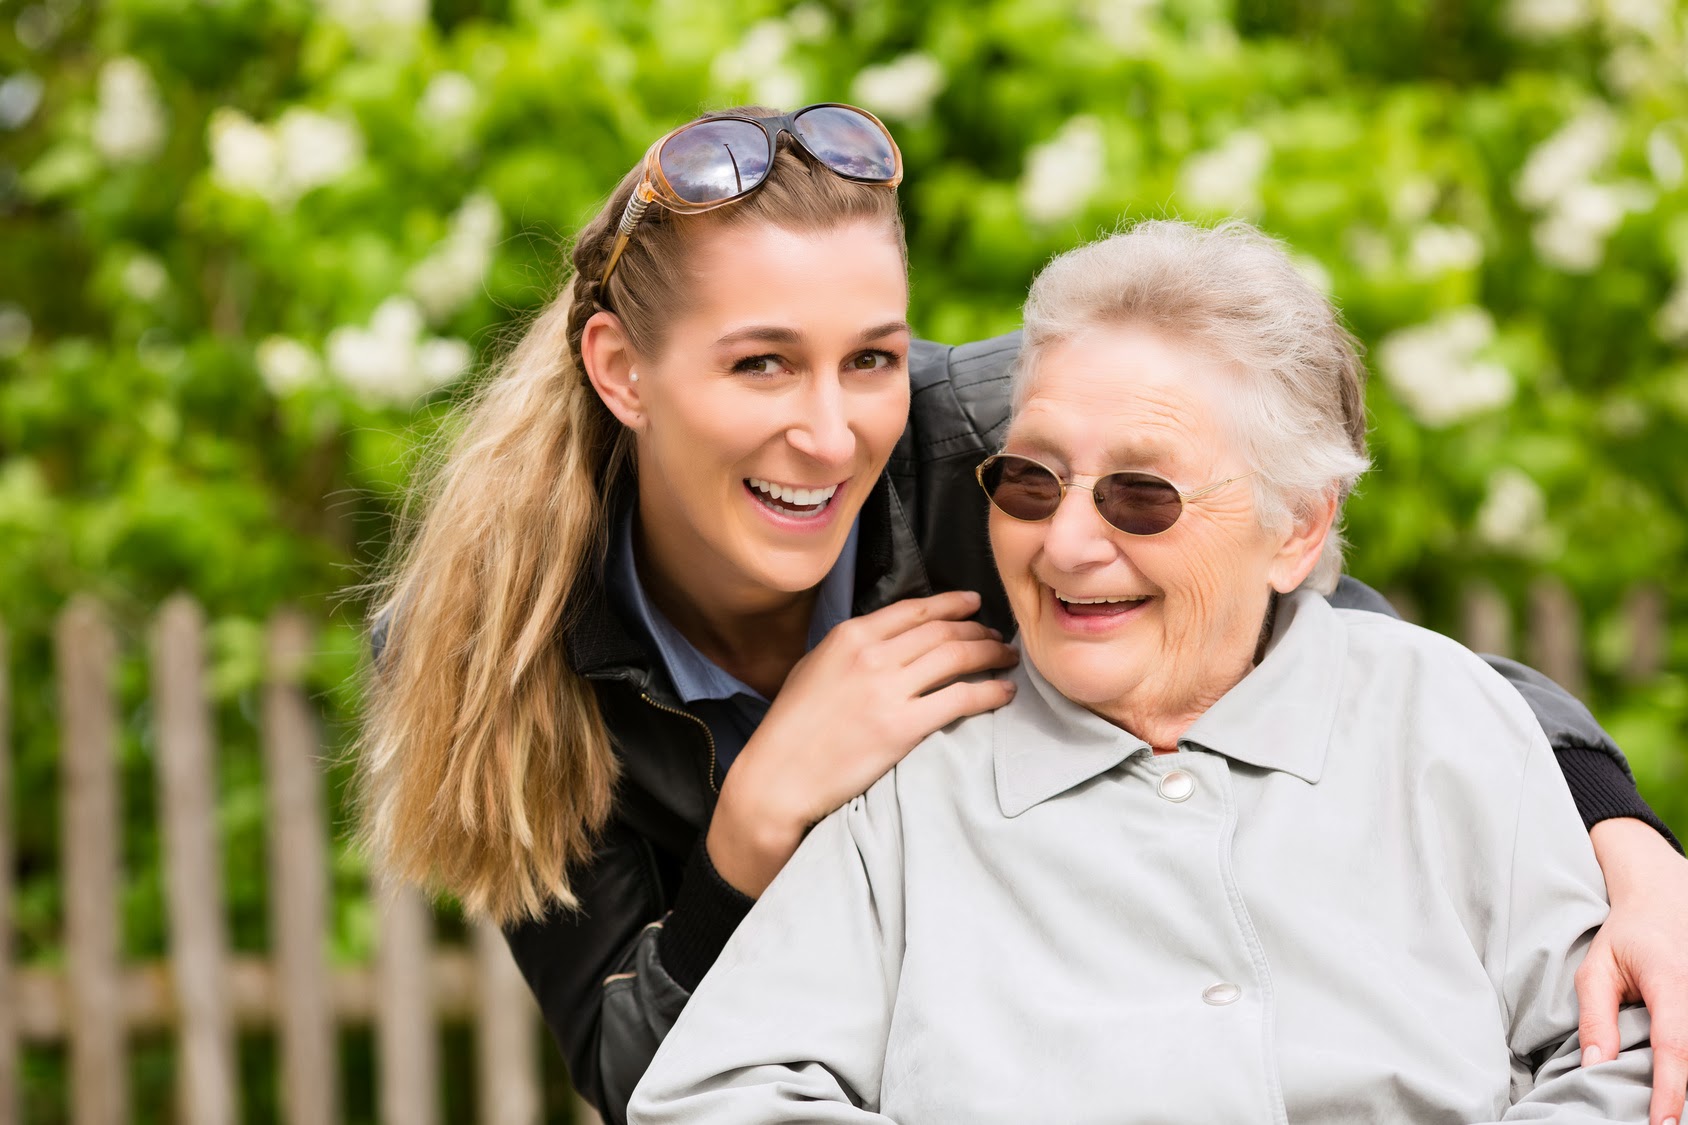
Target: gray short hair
1300 416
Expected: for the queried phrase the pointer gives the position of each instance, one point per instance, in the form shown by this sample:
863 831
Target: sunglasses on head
1135 503
713 161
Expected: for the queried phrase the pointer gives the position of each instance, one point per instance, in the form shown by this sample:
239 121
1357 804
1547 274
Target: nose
822 432
1078 538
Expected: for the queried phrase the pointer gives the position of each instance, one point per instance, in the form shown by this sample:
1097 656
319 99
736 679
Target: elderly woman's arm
791 1023
1542 928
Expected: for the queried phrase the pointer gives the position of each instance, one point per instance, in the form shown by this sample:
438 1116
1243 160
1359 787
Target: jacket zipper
703 726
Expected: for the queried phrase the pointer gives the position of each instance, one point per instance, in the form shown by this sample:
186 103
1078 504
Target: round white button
1177 785
1222 994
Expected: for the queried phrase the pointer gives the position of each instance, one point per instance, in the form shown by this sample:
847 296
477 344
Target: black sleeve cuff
1603 791
706 912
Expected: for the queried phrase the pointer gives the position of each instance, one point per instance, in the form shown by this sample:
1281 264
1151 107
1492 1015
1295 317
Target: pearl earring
632 376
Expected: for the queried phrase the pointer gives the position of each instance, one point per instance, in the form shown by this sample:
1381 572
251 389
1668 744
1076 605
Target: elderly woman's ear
1302 544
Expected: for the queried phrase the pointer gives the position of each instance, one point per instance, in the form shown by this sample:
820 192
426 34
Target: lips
1104 606
790 500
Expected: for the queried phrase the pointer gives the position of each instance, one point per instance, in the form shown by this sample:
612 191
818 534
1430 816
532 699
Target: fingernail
1670 1121
997 634
1591 1055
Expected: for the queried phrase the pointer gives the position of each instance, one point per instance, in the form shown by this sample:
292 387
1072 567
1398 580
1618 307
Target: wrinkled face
1134 626
774 405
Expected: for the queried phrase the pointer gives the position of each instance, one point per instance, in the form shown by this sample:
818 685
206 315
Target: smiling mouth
791 500
1110 606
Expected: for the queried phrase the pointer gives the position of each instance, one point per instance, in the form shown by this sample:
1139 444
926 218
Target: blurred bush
254 248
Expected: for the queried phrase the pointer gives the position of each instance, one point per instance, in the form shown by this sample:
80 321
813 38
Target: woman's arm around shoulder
792 1022
1554 902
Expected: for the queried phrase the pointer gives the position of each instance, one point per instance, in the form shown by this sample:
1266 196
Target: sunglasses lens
848 142
1022 488
1138 503
715 160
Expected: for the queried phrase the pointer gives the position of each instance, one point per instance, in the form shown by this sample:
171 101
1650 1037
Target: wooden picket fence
202 992
205 994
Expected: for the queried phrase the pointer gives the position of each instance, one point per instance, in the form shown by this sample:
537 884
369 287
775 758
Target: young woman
703 564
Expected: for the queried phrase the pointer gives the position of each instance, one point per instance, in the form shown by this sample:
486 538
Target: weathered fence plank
407 1037
1486 620
148 1000
91 840
1645 612
507 1057
298 866
1556 636
11 1097
192 870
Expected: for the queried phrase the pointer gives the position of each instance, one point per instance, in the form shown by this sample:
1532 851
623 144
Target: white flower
1664 157
1671 323
388 363
1438 248
450 96
1644 17
1572 236
316 149
1436 372
759 62
244 157
285 364
20 97
1628 68
1227 178
1569 157
128 115
1546 19
440 360
1125 25
1513 515
374 23
1413 201
903 88
302 151
452 272
1065 172
809 22
144 278
1369 249
15 330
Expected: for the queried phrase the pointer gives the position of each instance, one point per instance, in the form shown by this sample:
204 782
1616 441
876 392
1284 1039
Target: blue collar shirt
729 707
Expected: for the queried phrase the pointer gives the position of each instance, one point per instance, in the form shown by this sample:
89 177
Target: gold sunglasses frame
1183 497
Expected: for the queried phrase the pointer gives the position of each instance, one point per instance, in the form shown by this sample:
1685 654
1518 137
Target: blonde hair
1300 411
485 767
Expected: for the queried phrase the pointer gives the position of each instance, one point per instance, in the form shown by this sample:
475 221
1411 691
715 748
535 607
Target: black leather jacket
612 977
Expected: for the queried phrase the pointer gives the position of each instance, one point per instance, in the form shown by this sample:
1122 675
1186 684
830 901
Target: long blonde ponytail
524 778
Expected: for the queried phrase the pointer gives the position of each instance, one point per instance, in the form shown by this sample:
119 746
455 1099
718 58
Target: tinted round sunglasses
713 161
1135 503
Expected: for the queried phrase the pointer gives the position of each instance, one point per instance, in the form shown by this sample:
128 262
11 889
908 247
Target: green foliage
251 246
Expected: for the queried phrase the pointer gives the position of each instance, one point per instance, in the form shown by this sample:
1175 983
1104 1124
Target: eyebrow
777 334
1121 457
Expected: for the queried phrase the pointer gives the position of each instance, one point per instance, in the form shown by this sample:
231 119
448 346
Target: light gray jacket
1358 892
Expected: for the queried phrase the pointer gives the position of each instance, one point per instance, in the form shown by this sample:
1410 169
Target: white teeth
801 497
1101 601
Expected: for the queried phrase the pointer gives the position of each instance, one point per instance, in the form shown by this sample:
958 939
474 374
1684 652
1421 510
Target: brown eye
873 361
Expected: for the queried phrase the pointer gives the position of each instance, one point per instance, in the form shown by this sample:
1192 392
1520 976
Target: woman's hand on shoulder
850 710
1640 954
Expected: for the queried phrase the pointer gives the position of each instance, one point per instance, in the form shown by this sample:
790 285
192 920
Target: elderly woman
1230 854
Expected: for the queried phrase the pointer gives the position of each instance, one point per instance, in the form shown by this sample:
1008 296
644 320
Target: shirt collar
1279 717
695 676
